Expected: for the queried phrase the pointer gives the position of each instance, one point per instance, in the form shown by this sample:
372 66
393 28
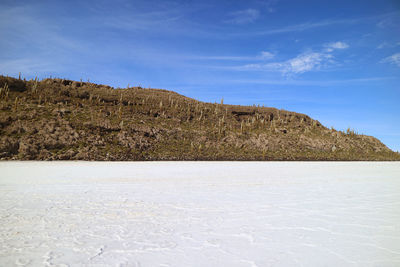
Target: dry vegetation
56 119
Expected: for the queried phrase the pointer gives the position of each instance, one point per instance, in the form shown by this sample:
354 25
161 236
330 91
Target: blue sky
337 61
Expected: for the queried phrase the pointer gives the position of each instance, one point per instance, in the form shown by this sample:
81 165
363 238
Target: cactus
4 91
35 86
191 146
16 103
201 115
120 112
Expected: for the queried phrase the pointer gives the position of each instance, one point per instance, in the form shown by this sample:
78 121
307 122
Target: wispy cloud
335 45
393 59
313 25
29 27
304 62
34 46
222 58
156 20
301 27
264 55
310 82
295 82
269 5
243 16
29 67
387 45
382 45
391 20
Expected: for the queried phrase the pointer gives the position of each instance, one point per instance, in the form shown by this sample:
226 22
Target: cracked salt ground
199 214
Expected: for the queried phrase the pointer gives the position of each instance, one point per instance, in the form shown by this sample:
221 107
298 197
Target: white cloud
311 82
382 45
312 25
335 45
389 22
300 64
297 27
266 55
155 21
339 45
387 45
269 5
222 58
393 59
243 16
305 62
255 66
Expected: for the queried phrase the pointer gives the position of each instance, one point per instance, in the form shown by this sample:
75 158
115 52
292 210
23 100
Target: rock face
57 119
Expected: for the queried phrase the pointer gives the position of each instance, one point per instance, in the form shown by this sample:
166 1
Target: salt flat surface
199 214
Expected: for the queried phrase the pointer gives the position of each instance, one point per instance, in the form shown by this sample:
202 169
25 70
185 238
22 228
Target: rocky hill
57 119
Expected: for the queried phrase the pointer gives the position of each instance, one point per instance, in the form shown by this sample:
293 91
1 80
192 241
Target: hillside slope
57 119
